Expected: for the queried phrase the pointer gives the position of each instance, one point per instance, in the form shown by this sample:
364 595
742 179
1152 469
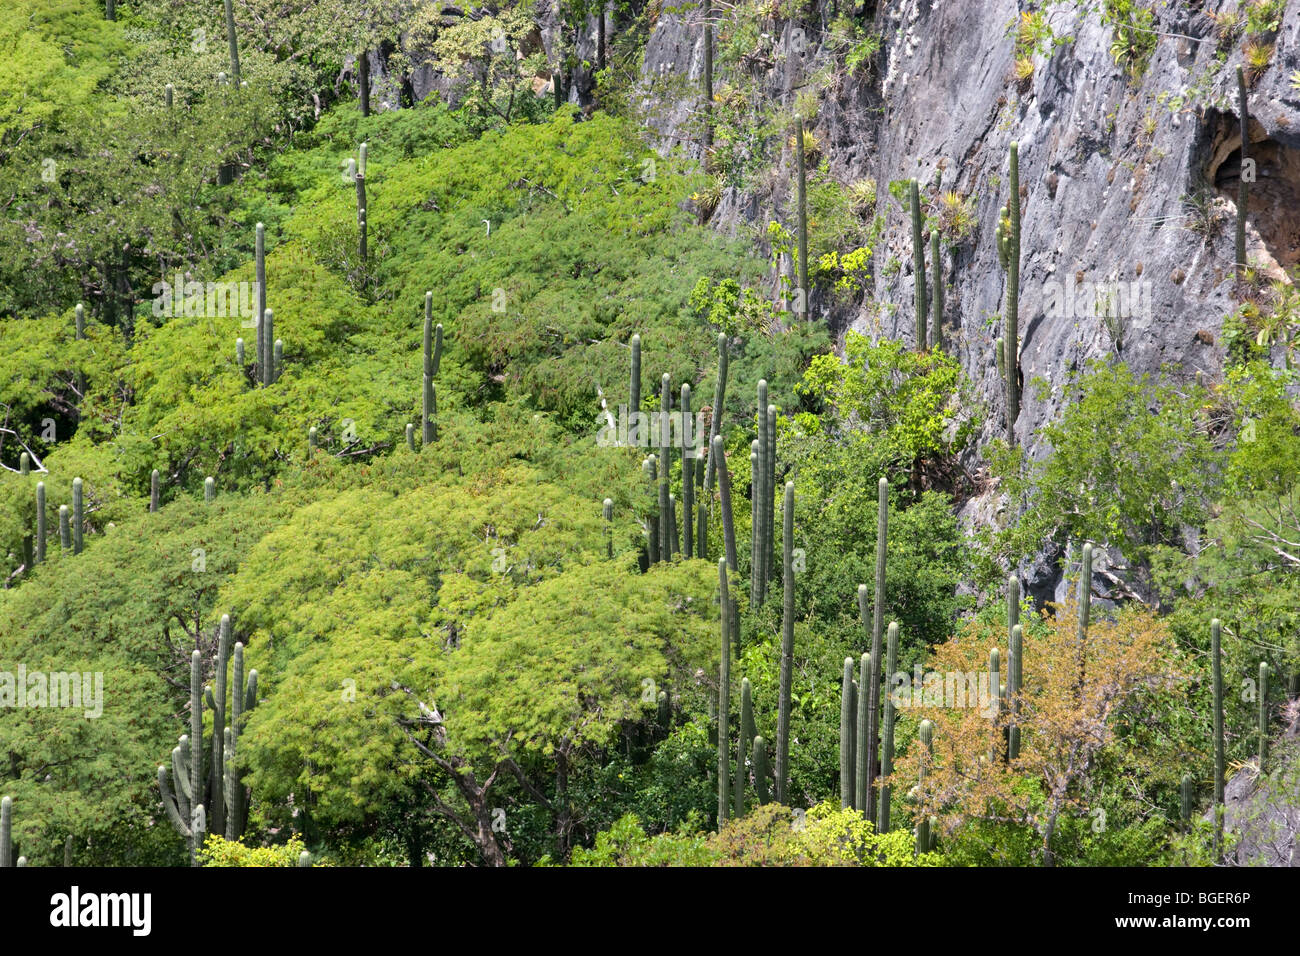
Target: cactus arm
887 744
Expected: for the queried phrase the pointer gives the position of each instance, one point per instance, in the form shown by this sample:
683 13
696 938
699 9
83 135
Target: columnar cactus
65 528
864 752
688 476
209 489
1216 671
24 464
277 360
1263 714
848 719
1186 793
78 515
995 698
79 322
746 734
918 264
770 498
1243 187
360 180
887 744
312 433
925 733
259 258
304 858
1013 664
268 339
728 526
724 692
674 538
410 436
6 832
242 699
40 521
665 470
801 293
234 43
1014 684
715 429
168 94
1011 333
607 512
936 296
760 771
652 517
217 704
787 652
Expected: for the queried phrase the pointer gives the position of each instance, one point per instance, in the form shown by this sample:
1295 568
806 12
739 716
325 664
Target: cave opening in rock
1273 211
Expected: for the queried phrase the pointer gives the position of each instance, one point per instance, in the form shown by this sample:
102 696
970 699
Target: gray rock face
1107 168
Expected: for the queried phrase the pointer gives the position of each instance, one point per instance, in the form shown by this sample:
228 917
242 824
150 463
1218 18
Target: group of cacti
269 362
432 360
699 463
218 793
71 525
749 743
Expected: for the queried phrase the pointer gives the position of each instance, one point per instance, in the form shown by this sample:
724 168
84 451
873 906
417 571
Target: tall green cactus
217 704
1011 334
259 258
665 469
24 464
243 698
234 43
918 264
607 512
848 717
1263 715
887 743
268 356
209 489
652 516
65 528
863 752
40 521
745 734
410 437
758 512
724 692
770 498
1243 187
634 390
1216 672
936 297
78 515
995 698
872 689
6 832
1186 793
760 771
728 525
1013 664
801 293
674 538
787 652
155 491
688 475
925 733
362 214
277 360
